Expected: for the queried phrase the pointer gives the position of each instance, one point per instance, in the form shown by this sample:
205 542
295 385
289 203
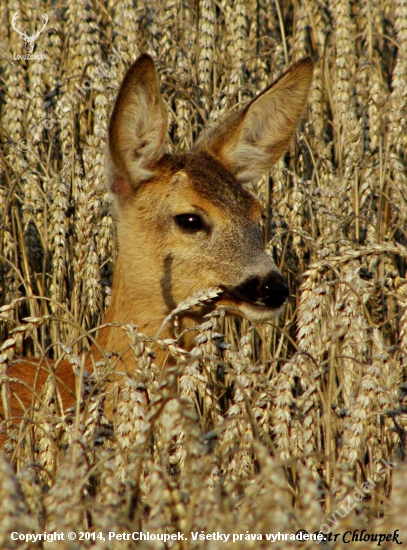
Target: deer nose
273 290
269 291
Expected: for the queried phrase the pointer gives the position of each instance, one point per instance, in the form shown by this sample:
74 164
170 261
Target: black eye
189 222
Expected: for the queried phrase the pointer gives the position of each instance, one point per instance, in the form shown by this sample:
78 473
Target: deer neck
134 301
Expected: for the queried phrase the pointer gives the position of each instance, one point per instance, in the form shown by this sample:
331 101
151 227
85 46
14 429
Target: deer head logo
29 40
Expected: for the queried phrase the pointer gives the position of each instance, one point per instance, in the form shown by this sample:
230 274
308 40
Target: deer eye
189 222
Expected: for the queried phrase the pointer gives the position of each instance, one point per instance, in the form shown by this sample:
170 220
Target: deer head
186 221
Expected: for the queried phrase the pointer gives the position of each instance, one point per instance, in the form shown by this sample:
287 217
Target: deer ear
250 141
137 128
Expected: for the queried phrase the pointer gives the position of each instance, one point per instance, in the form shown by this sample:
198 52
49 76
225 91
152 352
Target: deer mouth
258 300
254 311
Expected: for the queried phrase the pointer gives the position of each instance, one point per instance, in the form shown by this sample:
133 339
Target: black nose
270 291
273 290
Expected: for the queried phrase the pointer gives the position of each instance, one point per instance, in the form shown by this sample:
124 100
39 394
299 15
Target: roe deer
185 221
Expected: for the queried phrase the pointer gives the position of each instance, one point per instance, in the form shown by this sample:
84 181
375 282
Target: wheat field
296 424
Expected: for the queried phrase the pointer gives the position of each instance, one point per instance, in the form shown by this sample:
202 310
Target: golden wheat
256 430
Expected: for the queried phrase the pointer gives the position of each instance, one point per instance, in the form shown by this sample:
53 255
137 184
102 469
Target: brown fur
160 264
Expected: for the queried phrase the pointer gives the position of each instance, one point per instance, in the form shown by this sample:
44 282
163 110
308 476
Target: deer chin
256 313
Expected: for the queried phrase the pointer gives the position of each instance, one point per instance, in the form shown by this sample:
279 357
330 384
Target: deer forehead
194 182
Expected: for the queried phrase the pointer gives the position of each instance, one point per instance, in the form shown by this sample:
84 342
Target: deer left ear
249 142
137 129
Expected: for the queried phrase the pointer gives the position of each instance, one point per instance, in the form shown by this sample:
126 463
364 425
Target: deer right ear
250 141
137 128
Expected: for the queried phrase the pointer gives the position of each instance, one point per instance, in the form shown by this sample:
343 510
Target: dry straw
256 429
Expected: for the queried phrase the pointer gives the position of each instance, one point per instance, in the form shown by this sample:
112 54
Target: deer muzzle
270 291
